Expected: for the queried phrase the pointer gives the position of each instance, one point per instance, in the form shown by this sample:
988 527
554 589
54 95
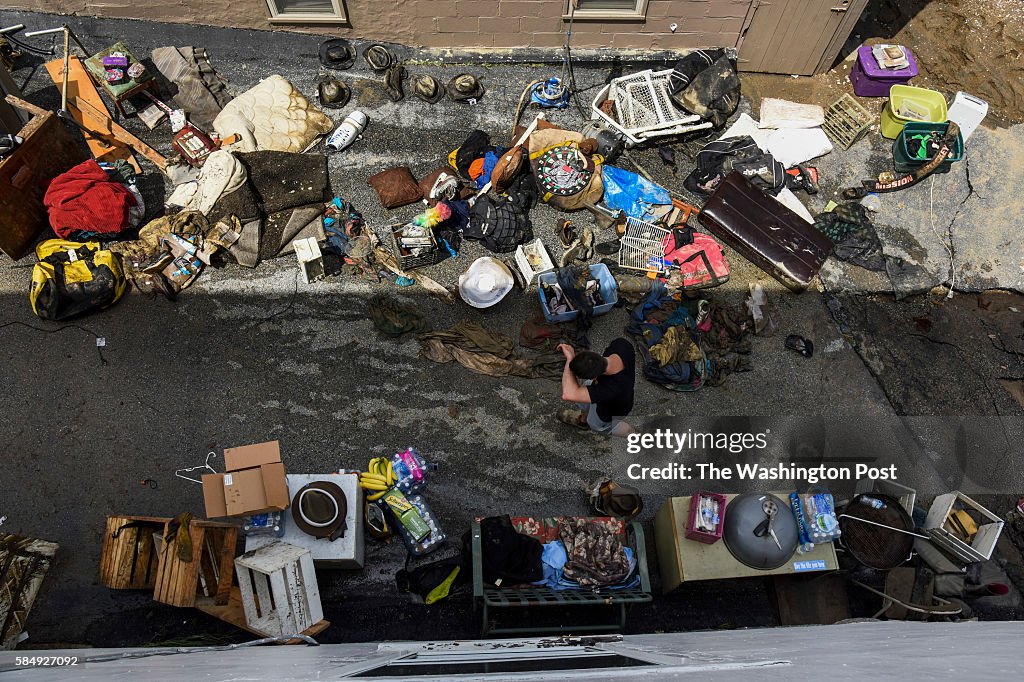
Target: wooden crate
209 574
48 150
23 565
279 592
233 613
129 561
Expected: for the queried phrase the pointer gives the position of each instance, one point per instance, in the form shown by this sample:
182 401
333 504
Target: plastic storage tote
929 104
871 80
609 292
694 533
904 158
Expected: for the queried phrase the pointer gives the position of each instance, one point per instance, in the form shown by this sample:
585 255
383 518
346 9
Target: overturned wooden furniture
209 573
23 565
278 591
129 559
49 150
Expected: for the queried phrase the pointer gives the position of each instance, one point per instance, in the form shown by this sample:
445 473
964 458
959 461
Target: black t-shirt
613 393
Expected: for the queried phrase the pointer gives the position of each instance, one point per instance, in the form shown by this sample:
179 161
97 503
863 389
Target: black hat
337 53
465 87
332 92
319 509
427 88
379 58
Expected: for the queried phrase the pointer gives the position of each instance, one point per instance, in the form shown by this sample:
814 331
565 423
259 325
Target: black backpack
499 223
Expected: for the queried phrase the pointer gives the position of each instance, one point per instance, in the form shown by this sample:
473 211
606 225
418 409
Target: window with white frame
307 11
607 9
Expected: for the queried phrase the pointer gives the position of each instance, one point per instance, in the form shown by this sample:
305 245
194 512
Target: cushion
396 187
273 116
507 168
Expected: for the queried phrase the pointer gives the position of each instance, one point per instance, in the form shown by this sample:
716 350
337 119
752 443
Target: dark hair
588 365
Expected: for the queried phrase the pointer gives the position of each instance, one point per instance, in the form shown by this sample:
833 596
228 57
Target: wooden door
796 36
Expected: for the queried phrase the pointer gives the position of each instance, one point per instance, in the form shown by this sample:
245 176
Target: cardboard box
253 482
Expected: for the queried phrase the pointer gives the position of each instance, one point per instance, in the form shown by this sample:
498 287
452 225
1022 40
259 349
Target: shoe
565 233
801 345
393 82
347 131
609 248
571 254
587 241
572 417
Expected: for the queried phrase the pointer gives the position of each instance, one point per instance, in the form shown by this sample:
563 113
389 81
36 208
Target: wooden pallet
129 561
209 574
234 613
23 565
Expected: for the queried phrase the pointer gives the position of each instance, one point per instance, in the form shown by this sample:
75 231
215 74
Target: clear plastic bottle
411 470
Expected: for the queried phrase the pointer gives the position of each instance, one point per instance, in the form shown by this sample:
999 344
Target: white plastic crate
523 261
984 541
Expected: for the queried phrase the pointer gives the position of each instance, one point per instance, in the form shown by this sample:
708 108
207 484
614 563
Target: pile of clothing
687 344
572 553
488 352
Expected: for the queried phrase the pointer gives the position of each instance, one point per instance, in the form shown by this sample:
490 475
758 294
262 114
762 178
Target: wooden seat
129 558
210 572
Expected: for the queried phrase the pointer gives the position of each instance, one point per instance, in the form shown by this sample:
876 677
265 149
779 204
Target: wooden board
80 85
209 573
129 561
24 563
49 150
97 121
233 613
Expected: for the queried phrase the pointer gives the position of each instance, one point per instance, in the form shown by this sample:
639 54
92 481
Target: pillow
507 168
396 187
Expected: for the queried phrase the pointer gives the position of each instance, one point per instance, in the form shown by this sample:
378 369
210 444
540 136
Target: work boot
572 254
577 418
565 233
587 240
609 248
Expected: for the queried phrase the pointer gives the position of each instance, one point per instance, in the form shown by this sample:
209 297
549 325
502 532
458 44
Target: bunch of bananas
378 478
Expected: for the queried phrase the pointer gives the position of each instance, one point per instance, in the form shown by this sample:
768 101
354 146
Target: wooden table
681 560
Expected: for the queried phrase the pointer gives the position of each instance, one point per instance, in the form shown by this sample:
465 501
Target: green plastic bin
904 159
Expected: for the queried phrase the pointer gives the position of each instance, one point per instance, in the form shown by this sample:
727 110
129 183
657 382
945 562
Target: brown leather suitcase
765 232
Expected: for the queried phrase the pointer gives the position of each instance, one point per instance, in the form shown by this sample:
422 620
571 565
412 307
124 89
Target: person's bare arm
571 389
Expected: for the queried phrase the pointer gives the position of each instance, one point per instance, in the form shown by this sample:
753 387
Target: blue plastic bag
635 195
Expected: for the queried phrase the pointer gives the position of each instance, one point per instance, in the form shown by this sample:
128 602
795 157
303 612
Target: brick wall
455 24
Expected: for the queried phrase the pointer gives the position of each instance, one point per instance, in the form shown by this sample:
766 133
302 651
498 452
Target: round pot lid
746 513
319 509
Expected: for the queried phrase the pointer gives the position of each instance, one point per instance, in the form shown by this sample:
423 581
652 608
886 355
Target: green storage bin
904 159
929 103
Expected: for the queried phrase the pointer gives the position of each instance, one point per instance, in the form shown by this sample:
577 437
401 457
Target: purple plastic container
870 80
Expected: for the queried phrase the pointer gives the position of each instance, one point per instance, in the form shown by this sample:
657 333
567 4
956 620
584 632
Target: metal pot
745 514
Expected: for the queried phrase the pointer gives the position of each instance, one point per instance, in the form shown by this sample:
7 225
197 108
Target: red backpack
701 262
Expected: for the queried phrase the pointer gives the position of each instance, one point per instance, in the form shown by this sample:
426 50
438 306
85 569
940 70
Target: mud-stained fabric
487 352
596 557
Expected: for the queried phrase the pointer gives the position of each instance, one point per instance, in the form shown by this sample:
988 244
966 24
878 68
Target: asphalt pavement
246 356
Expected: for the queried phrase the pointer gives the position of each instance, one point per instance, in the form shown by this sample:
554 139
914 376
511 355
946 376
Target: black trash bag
705 83
719 158
508 556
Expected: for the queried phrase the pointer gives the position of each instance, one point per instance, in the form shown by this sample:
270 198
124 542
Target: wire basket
642 246
643 108
846 120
